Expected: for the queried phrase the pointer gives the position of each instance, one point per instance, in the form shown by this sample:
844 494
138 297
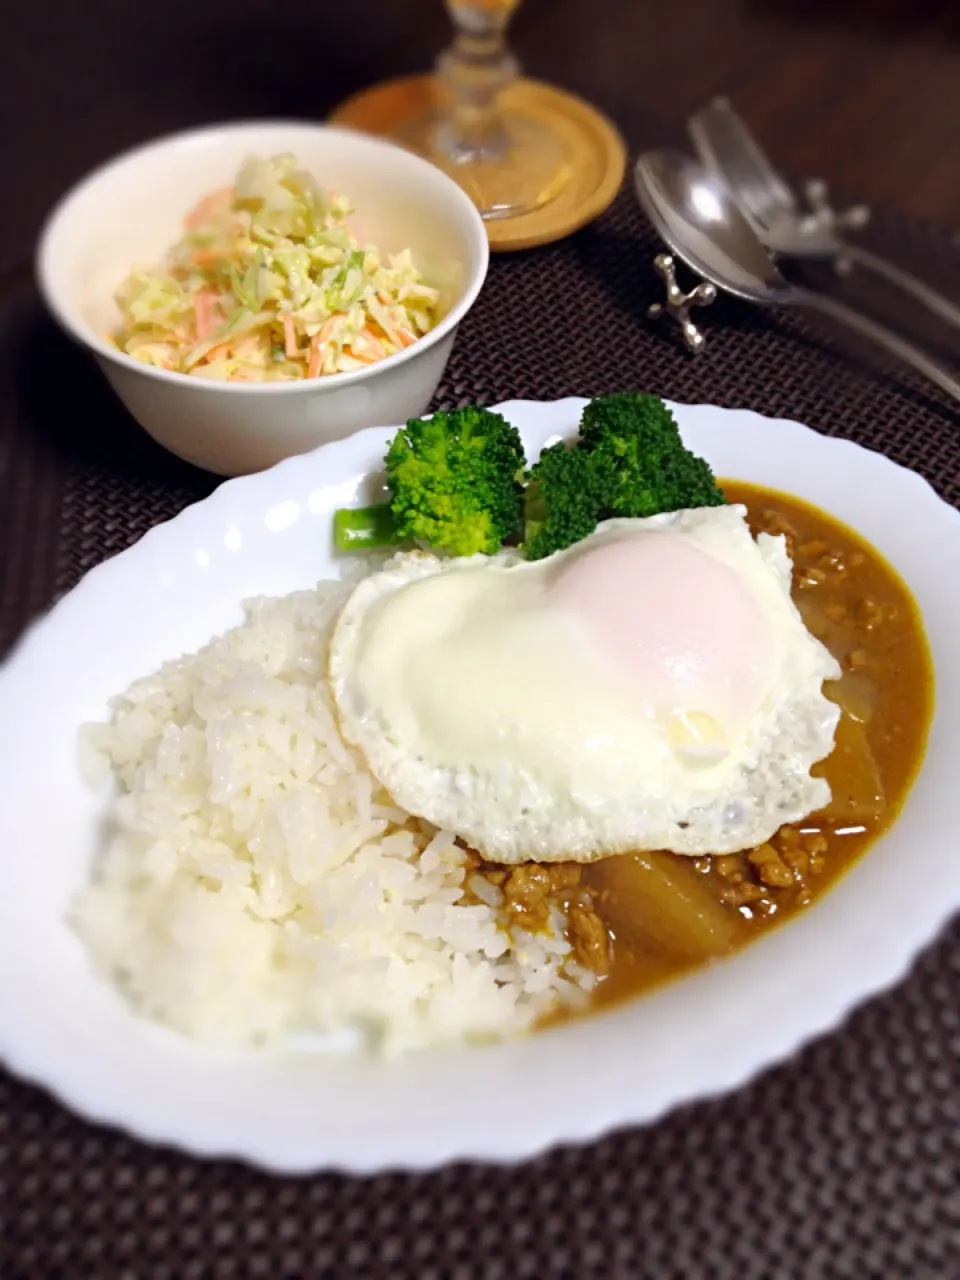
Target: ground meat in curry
531 889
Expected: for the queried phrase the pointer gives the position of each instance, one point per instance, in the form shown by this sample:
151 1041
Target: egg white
512 801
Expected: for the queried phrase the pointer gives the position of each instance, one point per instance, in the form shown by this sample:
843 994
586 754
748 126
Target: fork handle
929 297
879 334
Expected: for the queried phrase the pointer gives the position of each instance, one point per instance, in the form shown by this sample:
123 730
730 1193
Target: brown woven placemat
843 1164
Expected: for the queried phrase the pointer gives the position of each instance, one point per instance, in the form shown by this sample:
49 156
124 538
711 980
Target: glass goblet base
517 168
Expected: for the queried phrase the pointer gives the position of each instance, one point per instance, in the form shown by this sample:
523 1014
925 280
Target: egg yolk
677 623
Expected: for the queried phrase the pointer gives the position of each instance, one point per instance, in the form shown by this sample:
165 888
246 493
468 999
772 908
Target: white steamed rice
257 883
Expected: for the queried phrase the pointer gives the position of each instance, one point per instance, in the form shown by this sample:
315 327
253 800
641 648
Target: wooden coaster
596 152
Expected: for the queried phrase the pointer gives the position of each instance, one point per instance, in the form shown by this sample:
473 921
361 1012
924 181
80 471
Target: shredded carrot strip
204 307
210 207
370 342
316 357
326 333
407 339
381 332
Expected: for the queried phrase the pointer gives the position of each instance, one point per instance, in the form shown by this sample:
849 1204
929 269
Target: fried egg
651 687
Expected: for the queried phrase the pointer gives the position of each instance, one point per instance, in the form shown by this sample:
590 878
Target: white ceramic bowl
299 1112
131 211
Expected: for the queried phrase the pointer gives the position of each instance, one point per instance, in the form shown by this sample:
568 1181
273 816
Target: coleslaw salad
268 284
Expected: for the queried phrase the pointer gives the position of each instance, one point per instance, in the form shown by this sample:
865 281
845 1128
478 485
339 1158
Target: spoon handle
930 298
877 333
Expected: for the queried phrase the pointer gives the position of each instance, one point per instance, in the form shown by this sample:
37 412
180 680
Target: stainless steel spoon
726 145
696 216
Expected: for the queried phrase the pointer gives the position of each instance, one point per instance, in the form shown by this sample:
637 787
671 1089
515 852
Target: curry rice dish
267 873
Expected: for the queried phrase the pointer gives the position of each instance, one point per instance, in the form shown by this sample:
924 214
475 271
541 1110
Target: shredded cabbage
269 285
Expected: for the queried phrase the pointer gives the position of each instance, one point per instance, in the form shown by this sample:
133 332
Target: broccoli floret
628 416
654 470
564 496
456 485
674 482
630 461
456 481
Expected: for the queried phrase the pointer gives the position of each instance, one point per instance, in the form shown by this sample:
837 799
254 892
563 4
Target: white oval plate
297 1112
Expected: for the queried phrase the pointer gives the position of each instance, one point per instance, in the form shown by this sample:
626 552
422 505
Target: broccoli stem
365 528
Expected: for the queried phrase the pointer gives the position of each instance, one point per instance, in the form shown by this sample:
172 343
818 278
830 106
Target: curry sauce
639 919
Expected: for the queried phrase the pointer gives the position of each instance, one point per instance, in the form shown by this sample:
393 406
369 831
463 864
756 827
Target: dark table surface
842 1163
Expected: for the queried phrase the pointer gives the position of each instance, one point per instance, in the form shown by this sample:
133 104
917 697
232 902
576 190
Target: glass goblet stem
476 69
